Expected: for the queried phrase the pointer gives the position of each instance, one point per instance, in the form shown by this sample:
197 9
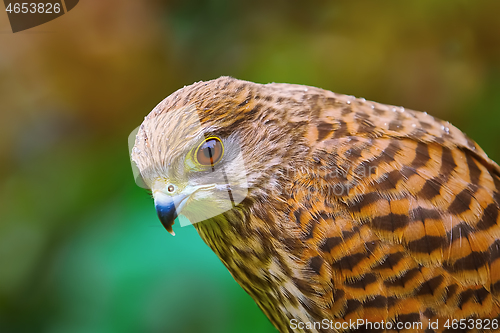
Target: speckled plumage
354 209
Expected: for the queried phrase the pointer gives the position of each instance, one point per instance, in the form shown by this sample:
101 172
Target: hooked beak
168 208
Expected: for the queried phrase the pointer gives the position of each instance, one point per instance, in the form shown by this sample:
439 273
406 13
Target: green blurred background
81 249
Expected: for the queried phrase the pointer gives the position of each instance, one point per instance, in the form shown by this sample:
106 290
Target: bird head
202 149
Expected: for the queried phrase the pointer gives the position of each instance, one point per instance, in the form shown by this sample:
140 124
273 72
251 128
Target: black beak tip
167 215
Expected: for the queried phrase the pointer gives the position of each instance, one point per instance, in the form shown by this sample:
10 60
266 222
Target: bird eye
210 151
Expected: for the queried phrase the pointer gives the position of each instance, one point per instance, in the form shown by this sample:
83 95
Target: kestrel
330 210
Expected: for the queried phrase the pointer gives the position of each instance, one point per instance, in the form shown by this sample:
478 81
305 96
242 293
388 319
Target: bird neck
242 231
221 232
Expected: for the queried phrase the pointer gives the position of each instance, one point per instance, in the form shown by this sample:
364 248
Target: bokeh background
81 249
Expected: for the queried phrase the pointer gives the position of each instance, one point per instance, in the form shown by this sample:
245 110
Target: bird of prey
330 210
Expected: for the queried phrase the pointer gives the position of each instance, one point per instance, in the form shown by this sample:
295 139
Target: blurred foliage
81 249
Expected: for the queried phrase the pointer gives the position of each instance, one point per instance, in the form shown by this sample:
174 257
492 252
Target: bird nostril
170 188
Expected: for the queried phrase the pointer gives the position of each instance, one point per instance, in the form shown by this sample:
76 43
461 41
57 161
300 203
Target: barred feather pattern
356 209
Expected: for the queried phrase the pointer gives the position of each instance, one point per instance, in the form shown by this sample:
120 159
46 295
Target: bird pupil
208 148
208 152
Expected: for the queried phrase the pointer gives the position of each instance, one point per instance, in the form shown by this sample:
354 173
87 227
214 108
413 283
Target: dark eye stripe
209 152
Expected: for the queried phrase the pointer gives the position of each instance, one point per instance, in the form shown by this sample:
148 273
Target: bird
334 213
